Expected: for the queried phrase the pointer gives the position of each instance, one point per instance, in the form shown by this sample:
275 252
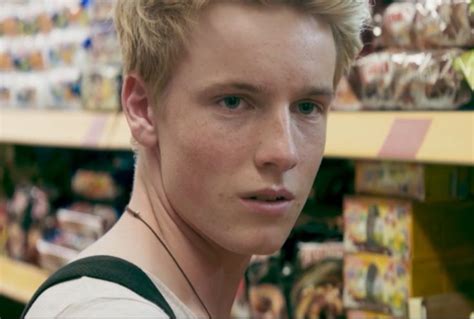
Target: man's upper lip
270 192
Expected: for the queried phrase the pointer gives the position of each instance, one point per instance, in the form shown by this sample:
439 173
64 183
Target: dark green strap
111 269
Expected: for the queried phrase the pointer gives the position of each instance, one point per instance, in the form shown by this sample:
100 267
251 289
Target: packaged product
265 290
105 43
29 53
107 213
376 282
94 185
398 20
408 229
101 85
6 58
317 289
426 24
102 10
6 94
410 81
68 47
29 90
64 88
83 224
424 182
53 256
384 284
27 209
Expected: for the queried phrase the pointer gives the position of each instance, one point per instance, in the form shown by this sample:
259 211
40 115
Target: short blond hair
153 33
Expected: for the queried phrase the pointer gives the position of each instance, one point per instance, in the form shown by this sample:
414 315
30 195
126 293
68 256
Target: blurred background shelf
430 137
76 129
18 280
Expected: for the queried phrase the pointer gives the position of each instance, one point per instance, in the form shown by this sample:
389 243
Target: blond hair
153 32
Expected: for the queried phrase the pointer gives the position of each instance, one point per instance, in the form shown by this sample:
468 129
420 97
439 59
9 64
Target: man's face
241 126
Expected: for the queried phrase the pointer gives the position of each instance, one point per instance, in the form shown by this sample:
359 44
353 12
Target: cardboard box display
424 182
408 229
377 283
384 284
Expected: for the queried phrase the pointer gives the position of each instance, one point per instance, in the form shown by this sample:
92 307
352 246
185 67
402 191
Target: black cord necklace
137 215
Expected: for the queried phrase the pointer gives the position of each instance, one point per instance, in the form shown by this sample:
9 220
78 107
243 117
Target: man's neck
214 272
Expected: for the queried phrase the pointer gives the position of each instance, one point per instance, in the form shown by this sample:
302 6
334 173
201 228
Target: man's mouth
267 199
269 195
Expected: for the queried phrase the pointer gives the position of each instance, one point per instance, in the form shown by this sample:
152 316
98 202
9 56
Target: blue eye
232 102
306 107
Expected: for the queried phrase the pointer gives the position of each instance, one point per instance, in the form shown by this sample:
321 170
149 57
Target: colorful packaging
408 229
6 91
428 24
82 224
317 290
410 81
376 282
412 180
101 85
266 296
64 88
384 284
53 256
94 185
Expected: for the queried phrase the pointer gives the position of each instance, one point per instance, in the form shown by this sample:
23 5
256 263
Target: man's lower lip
264 207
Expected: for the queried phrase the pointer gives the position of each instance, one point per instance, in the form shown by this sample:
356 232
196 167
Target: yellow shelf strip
19 280
436 137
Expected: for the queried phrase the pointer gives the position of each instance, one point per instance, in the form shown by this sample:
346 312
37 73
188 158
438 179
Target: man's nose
276 149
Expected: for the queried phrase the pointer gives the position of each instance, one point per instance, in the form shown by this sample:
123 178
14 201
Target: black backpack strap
108 268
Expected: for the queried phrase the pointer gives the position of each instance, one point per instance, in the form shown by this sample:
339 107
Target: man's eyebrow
324 91
241 86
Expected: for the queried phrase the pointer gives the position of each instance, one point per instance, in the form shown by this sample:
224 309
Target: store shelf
56 128
432 137
18 281
436 137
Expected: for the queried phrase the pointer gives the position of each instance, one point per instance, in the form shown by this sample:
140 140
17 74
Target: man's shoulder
89 297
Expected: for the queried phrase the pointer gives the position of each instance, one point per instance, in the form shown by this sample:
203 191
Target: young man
227 104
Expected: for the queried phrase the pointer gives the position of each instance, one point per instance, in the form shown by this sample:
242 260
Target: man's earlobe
137 107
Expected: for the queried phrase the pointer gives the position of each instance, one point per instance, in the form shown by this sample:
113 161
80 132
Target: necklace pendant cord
136 214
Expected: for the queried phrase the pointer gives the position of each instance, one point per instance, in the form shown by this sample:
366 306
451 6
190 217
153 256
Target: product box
408 229
412 180
384 284
377 283
265 288
317 288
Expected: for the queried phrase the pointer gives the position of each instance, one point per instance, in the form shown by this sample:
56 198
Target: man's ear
137 105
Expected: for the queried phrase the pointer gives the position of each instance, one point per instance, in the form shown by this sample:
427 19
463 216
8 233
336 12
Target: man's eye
231 102
306 107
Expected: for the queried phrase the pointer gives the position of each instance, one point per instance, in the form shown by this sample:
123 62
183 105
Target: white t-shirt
95 298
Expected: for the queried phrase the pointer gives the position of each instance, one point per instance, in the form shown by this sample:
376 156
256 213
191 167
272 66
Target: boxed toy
412 180
408 229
